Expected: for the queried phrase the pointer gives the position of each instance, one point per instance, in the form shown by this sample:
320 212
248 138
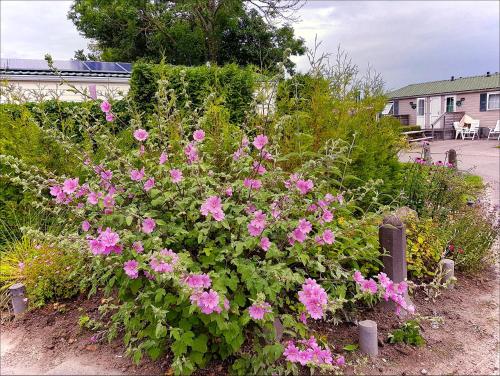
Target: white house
27 80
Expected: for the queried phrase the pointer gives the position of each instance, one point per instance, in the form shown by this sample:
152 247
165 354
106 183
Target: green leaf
161 330
200 343
351 347
129 220
154 352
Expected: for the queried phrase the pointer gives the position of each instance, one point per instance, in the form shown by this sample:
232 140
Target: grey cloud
30 29
408 41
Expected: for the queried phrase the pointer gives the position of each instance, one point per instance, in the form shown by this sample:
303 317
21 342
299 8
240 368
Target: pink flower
265 243
327 216
257 224
303 318
291 352
383 280
137 175
304 186
229 191
108 238
198 281
191 153
198 135
258 310
328 236
110 117
106 175
149 184
314 298
358 277
164 261
260 141
56 190
108 201
131 268
148 225
369 285
208 301
340 361
20 265
85 226
141 135
70 185
213 205
298 235
105 106
138 247
402 287
252 183
163 158
176 176
304 226
261 170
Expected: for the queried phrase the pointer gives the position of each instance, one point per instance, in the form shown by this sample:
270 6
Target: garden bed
50 339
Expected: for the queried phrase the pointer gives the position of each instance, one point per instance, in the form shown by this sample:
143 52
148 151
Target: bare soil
466 341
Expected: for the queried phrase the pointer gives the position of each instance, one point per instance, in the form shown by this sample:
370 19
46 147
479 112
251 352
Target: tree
189 32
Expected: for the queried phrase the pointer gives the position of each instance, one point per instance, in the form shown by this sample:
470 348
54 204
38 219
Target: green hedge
234 84
67 116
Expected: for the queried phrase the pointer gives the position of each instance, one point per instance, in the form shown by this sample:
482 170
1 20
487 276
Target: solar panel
70 66
100 66
126 66
24 64
66 66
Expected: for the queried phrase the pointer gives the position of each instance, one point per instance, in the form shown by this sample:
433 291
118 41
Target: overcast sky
405 41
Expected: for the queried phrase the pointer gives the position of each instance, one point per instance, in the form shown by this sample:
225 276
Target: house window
450 104
420 106
493 101
387 109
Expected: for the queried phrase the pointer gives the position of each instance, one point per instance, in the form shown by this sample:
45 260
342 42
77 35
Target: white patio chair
471 132
495 131
459 129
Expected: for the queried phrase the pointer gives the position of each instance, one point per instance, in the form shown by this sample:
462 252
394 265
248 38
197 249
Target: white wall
23 89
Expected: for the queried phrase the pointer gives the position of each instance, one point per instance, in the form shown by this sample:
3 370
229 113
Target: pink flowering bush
204 256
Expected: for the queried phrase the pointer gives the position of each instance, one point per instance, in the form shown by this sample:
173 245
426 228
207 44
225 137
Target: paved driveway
480 157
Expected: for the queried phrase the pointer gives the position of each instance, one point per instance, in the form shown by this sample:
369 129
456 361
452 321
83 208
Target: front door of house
421 112
434 111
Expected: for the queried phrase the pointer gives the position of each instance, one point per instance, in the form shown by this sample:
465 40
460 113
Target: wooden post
392 238
368 339
452 157
19 303
427 153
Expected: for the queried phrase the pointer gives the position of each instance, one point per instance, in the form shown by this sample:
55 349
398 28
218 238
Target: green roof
448 86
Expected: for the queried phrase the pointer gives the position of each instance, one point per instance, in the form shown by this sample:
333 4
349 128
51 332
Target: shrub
472 233
312 111
204 258
425 246
437 190
234 84
47 272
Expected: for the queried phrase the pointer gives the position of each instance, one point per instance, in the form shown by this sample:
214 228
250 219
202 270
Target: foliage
188 32
317 109
425 246
47 272
234 86
255 246
471 235
437 190
408 333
